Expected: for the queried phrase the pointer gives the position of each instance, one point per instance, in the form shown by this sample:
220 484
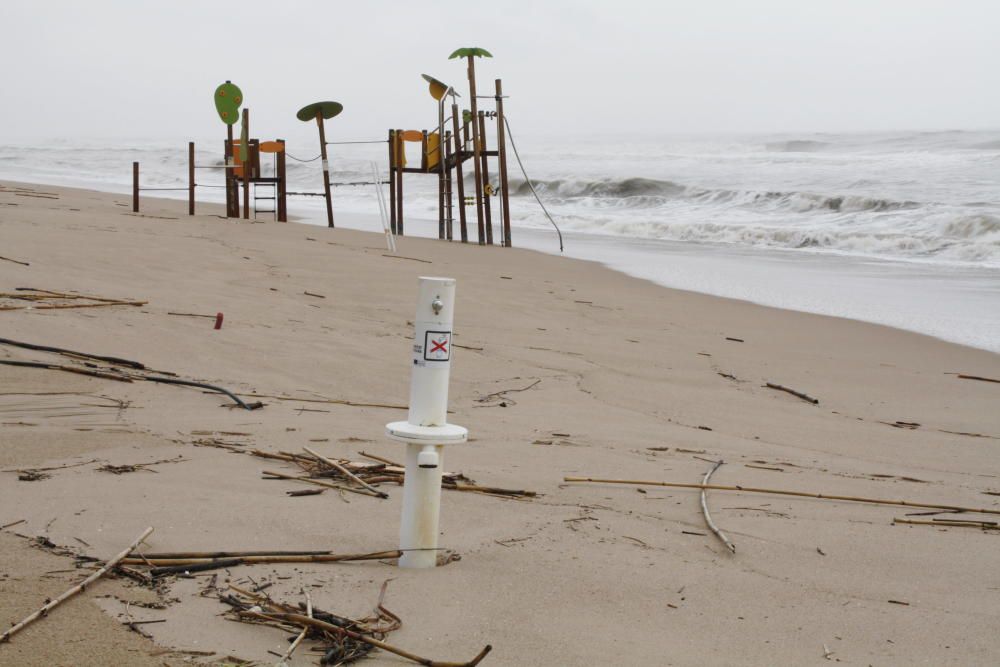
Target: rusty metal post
401 146
449 209
502 158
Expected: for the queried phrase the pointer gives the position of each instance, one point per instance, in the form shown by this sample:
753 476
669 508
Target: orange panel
412 135
271 147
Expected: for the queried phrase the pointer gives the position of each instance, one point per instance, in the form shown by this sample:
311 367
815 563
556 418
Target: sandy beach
563 368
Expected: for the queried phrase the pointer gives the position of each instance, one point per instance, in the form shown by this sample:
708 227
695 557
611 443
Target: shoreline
887 292
634 381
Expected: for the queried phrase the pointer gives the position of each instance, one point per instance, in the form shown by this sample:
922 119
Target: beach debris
135 467
349 475
332 401
758 467
735 340
977 377
412 259
218 321
342 639
956 523
912 426
793 392
704 509
304 492
502 394
8 259
318 296
160 566
114 370
12 524
211 317
49 300
905 604
32 476
784 492
52 604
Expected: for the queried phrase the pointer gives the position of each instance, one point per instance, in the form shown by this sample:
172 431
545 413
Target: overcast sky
131 68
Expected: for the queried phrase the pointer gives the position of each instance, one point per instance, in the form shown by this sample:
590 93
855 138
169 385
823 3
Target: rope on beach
530 185
298 159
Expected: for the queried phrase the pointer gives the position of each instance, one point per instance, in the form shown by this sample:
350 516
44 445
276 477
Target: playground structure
465 140
444 152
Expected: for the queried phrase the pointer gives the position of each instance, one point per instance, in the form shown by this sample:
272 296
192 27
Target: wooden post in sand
326 169
232 188
281 173
399 182
459 181
447 157
135 187
245 150
476 149
392 181
486 178
502 158
190 178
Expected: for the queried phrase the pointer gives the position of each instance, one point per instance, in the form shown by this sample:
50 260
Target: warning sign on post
437 346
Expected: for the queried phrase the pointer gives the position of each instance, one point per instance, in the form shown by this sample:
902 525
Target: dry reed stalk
5 637
348 473
782 492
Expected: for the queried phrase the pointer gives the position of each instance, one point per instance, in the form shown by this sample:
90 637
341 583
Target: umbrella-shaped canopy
326 109
438 89
470 51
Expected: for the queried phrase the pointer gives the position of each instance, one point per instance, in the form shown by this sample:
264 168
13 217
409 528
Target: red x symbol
439 347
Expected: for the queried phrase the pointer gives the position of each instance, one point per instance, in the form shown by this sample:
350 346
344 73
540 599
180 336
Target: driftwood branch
783 492
708 517
793 392
307 480
75 589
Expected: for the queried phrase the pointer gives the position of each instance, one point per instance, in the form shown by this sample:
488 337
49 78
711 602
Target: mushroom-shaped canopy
470 51
326 109
438 89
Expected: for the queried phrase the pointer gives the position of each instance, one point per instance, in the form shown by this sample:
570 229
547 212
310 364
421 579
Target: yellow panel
433 150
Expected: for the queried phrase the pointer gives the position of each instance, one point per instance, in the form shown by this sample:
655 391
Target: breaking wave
648 192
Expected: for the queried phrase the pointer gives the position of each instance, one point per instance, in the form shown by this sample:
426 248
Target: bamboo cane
174 555
708 517
317 482
348 473
257 560
781 492
5 637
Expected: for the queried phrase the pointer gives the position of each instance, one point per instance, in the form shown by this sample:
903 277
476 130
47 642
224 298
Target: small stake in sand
5 637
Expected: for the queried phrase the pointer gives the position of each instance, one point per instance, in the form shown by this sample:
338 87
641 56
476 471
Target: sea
896 228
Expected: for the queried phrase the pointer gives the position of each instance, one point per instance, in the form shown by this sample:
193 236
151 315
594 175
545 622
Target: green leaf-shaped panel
228 98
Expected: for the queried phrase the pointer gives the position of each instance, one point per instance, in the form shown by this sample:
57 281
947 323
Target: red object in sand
218 320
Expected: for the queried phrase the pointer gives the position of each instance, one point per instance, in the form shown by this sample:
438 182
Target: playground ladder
273 199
